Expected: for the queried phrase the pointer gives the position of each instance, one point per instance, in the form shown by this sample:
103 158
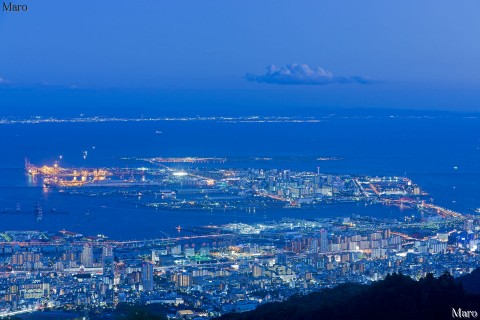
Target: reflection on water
421 149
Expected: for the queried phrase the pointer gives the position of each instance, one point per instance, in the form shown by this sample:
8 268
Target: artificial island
211 270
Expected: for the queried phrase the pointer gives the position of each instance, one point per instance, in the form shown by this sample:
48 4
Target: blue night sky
197 54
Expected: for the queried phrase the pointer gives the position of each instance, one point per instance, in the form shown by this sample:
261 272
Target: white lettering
463 314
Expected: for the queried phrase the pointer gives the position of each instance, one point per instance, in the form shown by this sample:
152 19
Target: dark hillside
395 297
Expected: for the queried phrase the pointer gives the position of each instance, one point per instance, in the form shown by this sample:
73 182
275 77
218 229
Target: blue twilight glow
396 54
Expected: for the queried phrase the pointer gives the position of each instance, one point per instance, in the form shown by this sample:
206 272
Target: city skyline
174 160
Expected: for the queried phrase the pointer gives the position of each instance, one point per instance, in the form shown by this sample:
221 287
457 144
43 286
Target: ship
37 210
329 158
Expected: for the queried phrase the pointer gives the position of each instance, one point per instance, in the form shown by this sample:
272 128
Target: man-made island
210 270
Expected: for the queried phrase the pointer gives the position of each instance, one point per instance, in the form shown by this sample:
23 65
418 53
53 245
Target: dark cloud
302 74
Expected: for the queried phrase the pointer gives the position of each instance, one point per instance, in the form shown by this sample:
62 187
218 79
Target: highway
112 242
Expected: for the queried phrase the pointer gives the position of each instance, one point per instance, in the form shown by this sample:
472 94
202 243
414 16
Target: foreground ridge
395 297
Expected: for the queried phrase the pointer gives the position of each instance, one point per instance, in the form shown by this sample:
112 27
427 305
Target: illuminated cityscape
240 160
217 269
227 268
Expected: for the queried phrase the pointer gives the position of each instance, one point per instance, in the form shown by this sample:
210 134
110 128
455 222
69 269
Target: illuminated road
374 189
115 243
403 235
443 212
272 196
13 313
359 186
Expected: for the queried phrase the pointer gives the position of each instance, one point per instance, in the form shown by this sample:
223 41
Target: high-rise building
107 260
257 271
204 251
21 257
147 276
176 250
323 243
69 256
108 267
87 256
107 251
108 278
386 233
468 224
184 280
189 252
282 258
314 245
